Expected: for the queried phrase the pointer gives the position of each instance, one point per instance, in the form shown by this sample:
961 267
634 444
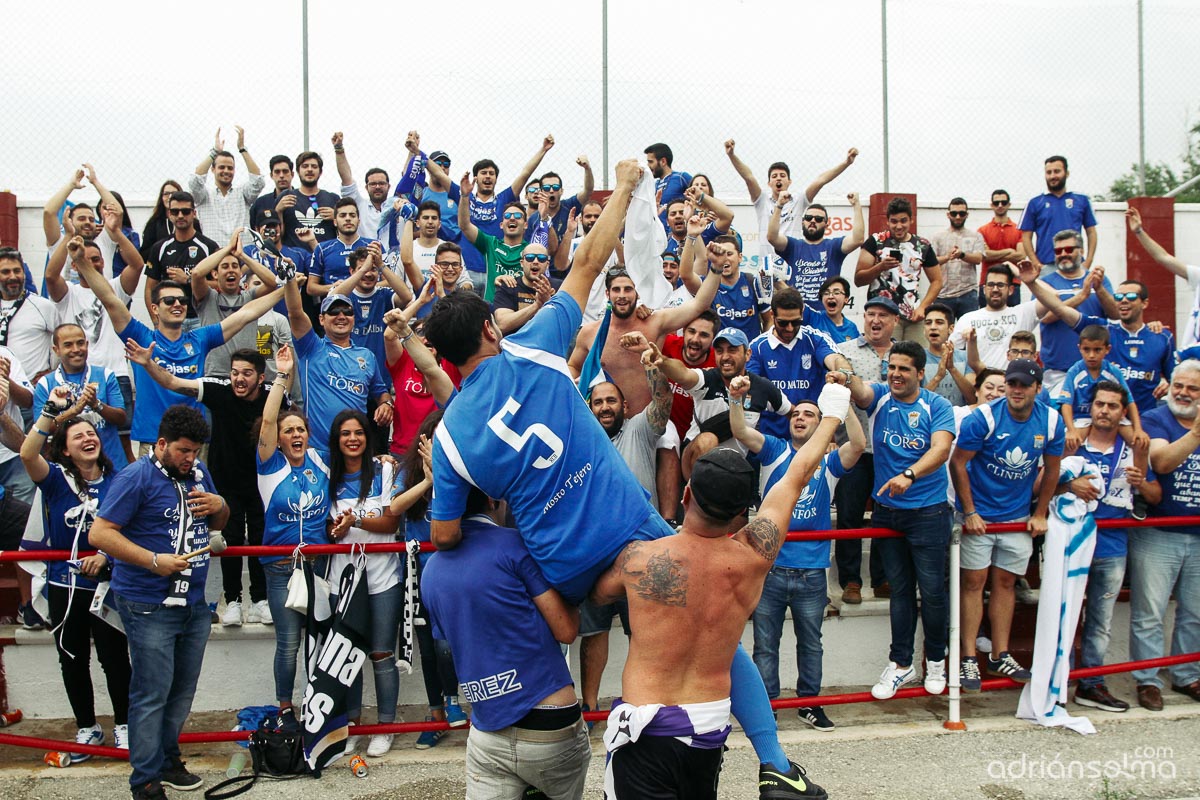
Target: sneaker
892 679
1007 667
232 618
379 745
776 785
935 676
250 615
31 620
969 675
93 735
121 736
814 717
429 739
455 716
262 609
177 777
287 721
1025 595
1099 697
150 791
351 744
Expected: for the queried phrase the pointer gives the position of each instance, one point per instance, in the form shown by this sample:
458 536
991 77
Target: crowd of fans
286 391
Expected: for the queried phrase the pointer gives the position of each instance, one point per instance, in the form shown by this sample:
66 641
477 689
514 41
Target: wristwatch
908 473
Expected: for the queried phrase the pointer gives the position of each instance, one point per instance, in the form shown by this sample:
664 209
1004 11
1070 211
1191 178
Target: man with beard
577 227
379 185
622 366
890 265
812 260
960 252
993 325
1055 212
331 259
829 316
1002 238
557 209
951 378
516 305
308 207
81 218
178 351
767 205
1145 357
694 349
27 320
669 185
502 255
282 173
236 402
372 301
1166 559
158 509
223 211
174 258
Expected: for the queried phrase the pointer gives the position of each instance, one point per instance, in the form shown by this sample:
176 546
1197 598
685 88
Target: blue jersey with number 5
520 431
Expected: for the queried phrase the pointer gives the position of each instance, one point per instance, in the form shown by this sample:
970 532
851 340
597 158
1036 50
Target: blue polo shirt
1079 387
485 215
1181 486
738 306
1046 215
333 379
331 259
900 435
797 368
1144 359
812 508
1060 342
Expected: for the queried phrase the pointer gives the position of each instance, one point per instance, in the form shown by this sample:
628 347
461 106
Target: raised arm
144 357
523 176
754 440
252 187
466 186
297 319
107 198
775 235
744 172
199 278
403 294
1156 250
597 246
856 442
1047 298
589 180
50 225
825 177
724 214
345 174
399 324
111 214
858 229
268 435
56 285
117 312
692 254
671 319
249 313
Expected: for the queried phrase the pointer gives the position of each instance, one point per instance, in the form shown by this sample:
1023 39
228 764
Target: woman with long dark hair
159 226
73 482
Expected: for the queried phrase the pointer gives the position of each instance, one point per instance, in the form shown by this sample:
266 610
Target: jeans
166 648
963 304
1160 561
916 560
501 764
384 609
1103 586
245 526
804 591
851 506
288 624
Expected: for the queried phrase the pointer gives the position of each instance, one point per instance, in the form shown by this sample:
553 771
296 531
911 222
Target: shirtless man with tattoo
689 598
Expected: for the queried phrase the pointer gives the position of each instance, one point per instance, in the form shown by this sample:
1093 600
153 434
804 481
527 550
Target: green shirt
502 259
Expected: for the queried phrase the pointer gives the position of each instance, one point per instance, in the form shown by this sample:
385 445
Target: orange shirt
998 237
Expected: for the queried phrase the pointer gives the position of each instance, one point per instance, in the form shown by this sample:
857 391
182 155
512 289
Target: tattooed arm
610 586
651 574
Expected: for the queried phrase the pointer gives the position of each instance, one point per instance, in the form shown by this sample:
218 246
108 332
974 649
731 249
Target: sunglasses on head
541 258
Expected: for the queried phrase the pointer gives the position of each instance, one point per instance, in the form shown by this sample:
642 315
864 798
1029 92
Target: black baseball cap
723 483
265 217
1023 371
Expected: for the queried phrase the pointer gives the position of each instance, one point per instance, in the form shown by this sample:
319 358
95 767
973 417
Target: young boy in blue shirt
1074 397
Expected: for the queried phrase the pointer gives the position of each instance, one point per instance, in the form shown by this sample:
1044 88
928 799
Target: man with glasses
959 251
174 258
812 260
224 211
379 185
993 325
1057 211
829 317
557 209
1002 239
1145 358
446 275
516 305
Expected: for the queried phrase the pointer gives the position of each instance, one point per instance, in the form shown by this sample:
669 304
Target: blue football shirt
812 508
295 499
900 435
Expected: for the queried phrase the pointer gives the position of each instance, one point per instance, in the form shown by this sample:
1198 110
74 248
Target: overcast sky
980 92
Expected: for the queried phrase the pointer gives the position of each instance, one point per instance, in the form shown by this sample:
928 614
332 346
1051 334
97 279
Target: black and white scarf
6 317
184 534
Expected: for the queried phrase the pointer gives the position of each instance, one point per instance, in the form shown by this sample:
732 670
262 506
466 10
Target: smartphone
894 253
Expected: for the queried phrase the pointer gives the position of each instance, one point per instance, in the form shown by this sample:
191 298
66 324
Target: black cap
723 483
439 155
1023 371
266 216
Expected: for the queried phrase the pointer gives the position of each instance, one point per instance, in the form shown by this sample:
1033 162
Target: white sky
980 92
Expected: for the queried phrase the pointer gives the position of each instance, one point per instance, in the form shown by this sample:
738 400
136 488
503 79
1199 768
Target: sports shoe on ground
352 744
455 716
935 676
250 614
1099 697
232 618
814 717
969 675
31 620
121 736
263 609
893 677
93 735
1007 667
429 739
776 785
379 745
150 791
287 721
177 777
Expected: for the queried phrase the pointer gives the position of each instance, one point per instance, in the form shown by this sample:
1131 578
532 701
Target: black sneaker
30 620
969 678
1099 697
1140 507
177 777
150 791
776 785
1007 667
814 717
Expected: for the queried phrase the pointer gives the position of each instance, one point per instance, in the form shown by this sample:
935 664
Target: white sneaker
935 676
263 609
250 614
379 745
352 744
121 736
93 735
892 679
232 618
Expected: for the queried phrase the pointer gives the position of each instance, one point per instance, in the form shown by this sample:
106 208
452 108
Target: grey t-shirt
636 442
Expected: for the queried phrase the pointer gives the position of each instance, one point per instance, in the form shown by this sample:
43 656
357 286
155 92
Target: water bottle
237 763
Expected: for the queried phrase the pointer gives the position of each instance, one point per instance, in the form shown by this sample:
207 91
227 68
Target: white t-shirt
1191 331
423 257
31 330
993 329
107 247
82 307
15 373
789 223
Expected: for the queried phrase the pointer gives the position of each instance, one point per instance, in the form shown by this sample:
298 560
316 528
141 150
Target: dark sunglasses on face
812 218
1000 202
340 311
541 258
789 323
182 212
959 214
1059 251
173 300
514 215
551 187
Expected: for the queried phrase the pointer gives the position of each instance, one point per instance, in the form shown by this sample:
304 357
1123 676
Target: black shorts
664 768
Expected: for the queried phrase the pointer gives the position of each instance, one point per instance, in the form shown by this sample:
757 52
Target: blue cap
884 303
735 336
331 298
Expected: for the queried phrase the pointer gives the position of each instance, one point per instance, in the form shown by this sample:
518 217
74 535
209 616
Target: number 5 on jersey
498 425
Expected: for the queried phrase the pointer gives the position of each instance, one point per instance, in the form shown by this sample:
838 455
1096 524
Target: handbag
276 753
297 590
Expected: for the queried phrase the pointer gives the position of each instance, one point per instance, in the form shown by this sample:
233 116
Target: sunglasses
529 258
551 187
340 311
173 300
789 323
533 190
813 218
514 215
1059 251
958 214
1000 202
181 212
1130 296
443 164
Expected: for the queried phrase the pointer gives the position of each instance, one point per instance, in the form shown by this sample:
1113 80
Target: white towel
645 241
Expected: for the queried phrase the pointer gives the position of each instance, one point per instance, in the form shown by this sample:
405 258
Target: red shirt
681 406
413 402
998 237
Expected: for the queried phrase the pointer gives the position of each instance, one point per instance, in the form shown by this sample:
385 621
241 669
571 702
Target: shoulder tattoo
763 537
663 579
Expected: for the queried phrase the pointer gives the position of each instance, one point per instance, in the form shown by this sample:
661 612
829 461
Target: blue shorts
576 589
